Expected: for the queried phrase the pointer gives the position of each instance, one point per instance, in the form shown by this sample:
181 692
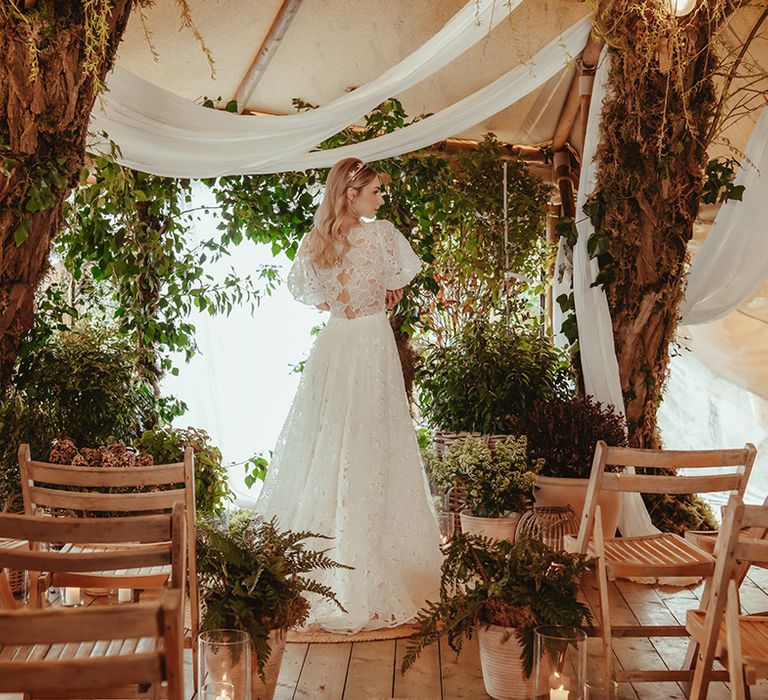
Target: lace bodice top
379 258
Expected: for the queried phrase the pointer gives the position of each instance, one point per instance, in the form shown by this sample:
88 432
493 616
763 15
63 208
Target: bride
347 462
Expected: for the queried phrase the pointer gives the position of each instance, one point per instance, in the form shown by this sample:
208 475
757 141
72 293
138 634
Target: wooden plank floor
371 670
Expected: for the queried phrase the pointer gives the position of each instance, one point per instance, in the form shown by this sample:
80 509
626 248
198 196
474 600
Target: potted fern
253 577
502 591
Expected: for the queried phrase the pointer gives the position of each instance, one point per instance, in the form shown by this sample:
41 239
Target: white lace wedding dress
347 462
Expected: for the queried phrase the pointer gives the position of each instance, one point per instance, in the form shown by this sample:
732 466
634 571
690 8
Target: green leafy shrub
77 382
167 445
494 582
252 576
490 372
563 432
492 483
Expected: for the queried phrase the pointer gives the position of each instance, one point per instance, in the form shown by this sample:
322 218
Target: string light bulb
680 8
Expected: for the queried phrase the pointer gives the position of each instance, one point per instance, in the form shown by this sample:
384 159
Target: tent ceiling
334 45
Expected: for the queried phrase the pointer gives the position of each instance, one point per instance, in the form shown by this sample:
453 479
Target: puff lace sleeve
303 282
401 264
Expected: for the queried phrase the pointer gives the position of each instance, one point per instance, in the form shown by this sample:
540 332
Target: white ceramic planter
495 528
558 491
265 690
501 665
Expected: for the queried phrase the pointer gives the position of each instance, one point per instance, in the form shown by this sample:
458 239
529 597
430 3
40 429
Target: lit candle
70 596
124 595
558 693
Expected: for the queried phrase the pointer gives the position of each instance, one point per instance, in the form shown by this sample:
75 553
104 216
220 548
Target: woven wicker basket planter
442 442
502 667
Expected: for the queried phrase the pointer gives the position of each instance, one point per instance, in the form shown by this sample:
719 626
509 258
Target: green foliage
129 248
718 183
488 373
563 432
79 383
495 582
493 482
679 512
256 469
167 445
252 577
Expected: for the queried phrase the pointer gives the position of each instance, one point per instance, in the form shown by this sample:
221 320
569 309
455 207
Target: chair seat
76 650
754 640
144 577
666 554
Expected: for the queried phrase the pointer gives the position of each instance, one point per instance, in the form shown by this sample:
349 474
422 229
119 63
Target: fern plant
252 577
494 582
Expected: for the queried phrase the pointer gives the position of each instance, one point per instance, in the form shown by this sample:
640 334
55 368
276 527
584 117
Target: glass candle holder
446 524
560 663
217 691
601 690
224 660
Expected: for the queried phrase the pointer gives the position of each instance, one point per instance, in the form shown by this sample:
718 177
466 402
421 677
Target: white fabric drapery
161 133
732 263
165 134
598 356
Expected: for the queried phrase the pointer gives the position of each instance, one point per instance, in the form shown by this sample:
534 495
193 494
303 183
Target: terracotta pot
559 491
501 665
495 528
264 690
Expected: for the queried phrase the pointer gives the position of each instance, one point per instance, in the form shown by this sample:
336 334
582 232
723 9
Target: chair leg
736 674
602 586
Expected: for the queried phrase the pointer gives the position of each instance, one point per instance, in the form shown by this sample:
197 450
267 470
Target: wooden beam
562 178
587 64
277 30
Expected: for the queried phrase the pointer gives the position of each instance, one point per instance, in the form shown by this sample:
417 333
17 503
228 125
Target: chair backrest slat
113 560
110 477
149 528
58 625
677 459
752 550
105 502
81 674
653 483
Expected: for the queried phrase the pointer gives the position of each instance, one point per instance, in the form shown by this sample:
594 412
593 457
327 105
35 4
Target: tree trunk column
46 99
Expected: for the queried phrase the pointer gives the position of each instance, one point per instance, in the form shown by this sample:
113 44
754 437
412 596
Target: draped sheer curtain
161 133
717 395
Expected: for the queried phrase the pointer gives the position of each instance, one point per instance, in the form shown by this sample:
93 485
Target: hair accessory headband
356 171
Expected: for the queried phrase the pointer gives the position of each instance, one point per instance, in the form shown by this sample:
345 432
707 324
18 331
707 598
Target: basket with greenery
488 373
563 432
494 582
491 483
252 577
167 445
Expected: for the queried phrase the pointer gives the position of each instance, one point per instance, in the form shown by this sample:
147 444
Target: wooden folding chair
116 651
655 556
98 490
740 642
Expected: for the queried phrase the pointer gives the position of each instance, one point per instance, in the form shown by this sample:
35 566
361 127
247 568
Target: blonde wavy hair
335 210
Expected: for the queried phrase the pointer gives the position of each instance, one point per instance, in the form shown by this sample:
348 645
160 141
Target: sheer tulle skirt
347 465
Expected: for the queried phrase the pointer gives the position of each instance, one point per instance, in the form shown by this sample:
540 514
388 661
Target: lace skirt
347 465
